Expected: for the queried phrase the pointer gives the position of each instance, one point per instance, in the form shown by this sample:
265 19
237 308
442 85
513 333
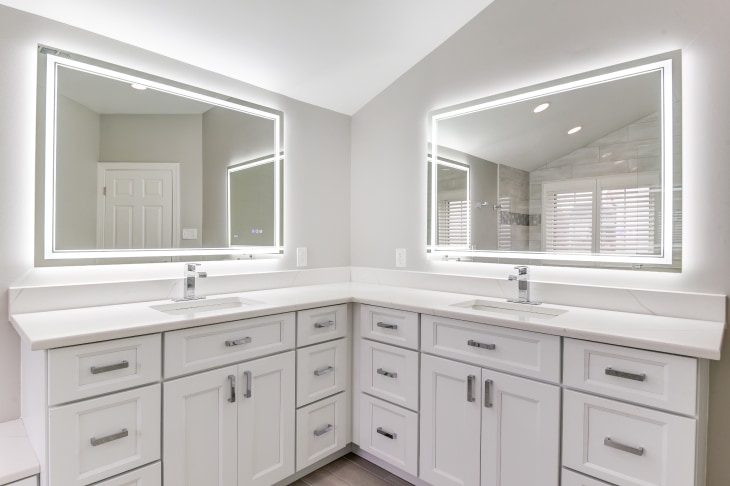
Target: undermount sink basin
203 305
510 308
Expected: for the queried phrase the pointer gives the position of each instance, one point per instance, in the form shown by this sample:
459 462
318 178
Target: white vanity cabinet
480 426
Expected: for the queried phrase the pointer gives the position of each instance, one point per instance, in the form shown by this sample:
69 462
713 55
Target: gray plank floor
351 470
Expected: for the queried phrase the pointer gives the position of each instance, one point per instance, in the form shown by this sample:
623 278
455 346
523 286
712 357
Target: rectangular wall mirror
582 171
138 166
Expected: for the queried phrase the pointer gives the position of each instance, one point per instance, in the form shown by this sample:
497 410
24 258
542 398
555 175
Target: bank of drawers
629 443
389 380
91 439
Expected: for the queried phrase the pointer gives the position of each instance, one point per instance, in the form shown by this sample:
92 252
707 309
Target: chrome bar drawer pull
323 430
470 388
238 342
390 435
638 451
389 374
232 383
249 378
385 325
625 374
324 371
488 393
477 344
95 370
103 440
320 325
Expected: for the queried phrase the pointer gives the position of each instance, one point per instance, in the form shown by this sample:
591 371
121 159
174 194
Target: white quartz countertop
17 460
689 337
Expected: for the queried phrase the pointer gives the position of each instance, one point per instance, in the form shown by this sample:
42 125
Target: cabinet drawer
522 352
321 429
32 481
390 433
627 444
201 348
389 373
646 377
572 478
323 324
95 369
98 438
322 370
145 476
389 326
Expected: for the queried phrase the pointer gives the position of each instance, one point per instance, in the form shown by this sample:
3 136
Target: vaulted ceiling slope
337 54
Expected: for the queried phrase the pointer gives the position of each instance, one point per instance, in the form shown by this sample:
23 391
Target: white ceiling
337 54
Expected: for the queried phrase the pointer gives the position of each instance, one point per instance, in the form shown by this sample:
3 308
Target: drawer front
322 370
572 478
389 326
95 369
201 348
627 444
522 352
145 476
322 324
390 433
321 429
32 481
390 373
656 379
98 438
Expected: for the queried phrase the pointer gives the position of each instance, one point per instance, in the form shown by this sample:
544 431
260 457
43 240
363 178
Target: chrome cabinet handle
323 430
385 325
324 371
626 374
248 392
390 435
109 438
232 383
638 451
488 393
237 342
477 344
320 325
470 388
95 370
389 374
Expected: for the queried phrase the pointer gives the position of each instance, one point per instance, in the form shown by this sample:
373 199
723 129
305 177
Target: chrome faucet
523 286
189 281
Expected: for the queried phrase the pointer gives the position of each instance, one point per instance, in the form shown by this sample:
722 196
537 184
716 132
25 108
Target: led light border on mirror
62 59
668 67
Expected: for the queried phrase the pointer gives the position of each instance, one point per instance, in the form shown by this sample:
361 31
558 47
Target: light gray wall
162 138
77 153
317 170
516 43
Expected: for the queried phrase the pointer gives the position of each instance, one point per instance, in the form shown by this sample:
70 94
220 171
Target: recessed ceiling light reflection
540 108
138 86
575 130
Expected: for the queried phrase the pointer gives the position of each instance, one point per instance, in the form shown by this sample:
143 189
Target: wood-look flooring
350 470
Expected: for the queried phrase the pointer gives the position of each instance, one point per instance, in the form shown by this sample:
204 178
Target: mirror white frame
668 67
50 252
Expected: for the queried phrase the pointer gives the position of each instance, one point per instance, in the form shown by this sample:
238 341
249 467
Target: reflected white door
136 205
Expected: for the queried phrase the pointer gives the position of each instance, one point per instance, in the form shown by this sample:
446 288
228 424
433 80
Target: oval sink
203 305
510 308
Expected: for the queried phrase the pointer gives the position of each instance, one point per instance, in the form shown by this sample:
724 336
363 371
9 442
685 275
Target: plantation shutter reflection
569 221
628 221
453 223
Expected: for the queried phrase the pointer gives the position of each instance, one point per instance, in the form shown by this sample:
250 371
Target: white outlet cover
190 234
400 257
302 257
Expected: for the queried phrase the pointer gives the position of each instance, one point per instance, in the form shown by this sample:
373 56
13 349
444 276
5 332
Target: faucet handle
190 267
521 269
202 274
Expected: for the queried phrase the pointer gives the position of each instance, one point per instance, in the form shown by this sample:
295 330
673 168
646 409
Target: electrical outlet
400 257
302 257
190 234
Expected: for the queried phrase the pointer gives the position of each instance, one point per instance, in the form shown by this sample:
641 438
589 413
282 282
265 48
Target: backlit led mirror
580 171
138 166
